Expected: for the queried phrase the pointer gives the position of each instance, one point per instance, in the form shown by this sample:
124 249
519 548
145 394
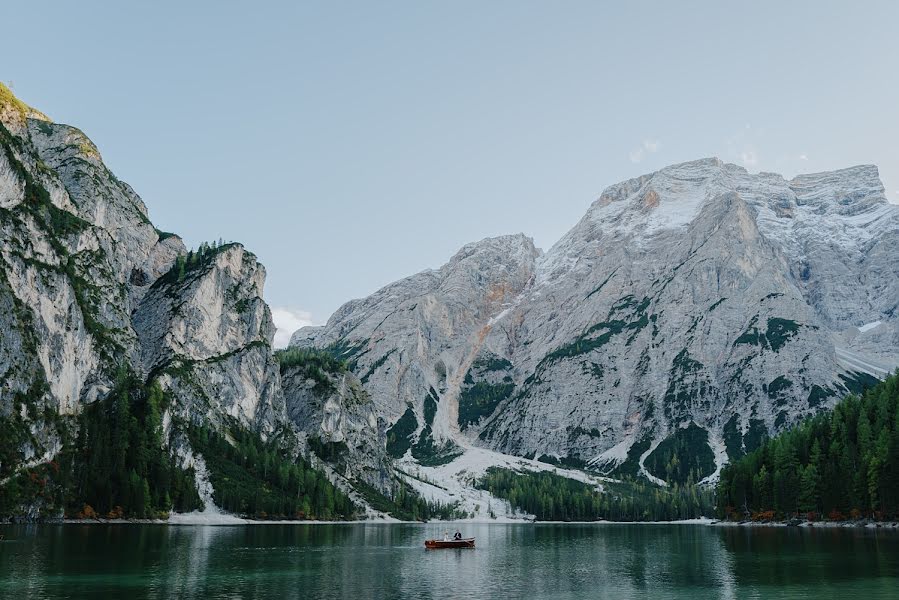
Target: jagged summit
514 244
672 196
504 262
844 207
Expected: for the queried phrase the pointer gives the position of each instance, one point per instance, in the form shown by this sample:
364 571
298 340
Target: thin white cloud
741 147
803 157
287 321
647 147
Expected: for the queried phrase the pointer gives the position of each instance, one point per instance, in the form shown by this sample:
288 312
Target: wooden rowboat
463 543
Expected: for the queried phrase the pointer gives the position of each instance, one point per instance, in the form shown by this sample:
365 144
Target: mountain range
698 307
691 313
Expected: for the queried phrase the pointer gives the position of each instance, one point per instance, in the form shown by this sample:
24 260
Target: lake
366 560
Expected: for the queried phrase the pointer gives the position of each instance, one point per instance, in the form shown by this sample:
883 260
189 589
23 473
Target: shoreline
861 524
190 520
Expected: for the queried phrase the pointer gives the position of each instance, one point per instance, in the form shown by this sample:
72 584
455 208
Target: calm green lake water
389 561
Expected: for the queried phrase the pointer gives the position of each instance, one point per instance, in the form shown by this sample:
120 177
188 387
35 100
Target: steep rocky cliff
88 284
109 325
337 416
690 312
412 343
78 252
206 336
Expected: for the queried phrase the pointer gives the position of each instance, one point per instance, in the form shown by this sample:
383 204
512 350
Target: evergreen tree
553 497
808 489
763 489
785 477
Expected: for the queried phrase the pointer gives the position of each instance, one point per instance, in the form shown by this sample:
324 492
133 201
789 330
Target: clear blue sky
349 144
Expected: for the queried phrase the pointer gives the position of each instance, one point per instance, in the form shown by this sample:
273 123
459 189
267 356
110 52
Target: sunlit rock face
91 290
207 337
700 304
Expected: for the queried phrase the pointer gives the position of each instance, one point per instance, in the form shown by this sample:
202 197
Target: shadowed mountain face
689 313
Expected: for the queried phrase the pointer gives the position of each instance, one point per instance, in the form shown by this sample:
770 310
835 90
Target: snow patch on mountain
455 482
854 361
869 326
720 450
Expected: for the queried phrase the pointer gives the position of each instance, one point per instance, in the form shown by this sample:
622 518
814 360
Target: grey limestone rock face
207 336
700 295
339 419
87 286
423 332
700 303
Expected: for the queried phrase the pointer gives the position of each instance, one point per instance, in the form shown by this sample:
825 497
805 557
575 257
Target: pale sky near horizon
349 144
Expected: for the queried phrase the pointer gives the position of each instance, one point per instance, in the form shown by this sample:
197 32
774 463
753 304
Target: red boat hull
434 544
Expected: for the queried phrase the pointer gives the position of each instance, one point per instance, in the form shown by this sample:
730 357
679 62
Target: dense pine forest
115 466
259 480
551 497
405 504
837 465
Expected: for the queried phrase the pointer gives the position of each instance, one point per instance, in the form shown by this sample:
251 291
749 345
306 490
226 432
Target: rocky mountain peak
14 112
516 249
689 313
699 298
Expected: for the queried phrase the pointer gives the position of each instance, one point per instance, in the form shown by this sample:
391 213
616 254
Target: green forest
319 365
837 465
406 504
116 466
551 497
260 480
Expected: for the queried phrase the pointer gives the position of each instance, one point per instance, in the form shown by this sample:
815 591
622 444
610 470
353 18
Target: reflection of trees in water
263 560
23 564
80 560
366 560
809 557
642 559
334 560
186 558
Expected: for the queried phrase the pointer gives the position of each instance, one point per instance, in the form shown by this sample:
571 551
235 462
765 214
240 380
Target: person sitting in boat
457 535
